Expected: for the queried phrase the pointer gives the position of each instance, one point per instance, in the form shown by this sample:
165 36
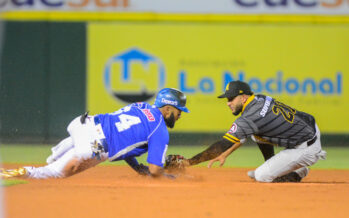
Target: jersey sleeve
157 146
241 129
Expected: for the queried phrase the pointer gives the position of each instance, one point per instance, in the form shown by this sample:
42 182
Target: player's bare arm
211 152
221 158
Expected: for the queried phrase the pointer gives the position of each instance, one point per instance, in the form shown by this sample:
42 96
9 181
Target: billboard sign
296 64
184 6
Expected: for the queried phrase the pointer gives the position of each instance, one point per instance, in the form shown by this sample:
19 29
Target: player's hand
142 170
220 158
174 162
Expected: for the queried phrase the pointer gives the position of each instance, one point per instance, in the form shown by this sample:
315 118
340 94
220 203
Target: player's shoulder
151 112
159 129
258 104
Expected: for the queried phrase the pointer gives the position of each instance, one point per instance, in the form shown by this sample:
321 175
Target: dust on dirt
116 191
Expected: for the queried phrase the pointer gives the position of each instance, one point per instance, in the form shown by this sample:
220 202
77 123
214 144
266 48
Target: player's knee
262 176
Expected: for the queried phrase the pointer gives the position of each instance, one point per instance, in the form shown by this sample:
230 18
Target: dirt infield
114 191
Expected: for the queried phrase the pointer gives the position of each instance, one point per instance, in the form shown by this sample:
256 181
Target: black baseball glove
174 162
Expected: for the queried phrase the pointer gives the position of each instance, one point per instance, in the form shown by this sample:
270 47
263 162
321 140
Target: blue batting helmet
173 97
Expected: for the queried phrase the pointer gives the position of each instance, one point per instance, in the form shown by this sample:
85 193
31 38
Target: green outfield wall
42 79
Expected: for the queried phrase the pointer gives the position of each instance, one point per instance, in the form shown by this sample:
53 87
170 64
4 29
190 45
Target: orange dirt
116 191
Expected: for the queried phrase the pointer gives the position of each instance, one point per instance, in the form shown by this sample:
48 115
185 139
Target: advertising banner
304 66
184 6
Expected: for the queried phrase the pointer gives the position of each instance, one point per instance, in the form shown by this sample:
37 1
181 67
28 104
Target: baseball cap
173 97
236 88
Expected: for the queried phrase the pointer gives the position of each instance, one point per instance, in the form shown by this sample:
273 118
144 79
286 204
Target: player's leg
67 165
266 149
290 164
287 161
57 151
84 136
295 176
77 165
268 152
290 160
53 170
60 149
76 159
279 165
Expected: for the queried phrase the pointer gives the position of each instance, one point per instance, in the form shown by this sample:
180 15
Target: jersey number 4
126 121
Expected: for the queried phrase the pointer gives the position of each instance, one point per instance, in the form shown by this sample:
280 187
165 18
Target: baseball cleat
5 174
251 174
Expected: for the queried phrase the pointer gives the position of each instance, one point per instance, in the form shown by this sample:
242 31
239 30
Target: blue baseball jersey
134 130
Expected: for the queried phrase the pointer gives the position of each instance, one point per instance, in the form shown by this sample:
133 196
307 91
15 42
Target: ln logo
134 76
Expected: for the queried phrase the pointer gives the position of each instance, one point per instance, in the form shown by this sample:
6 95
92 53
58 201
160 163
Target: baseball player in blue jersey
122 135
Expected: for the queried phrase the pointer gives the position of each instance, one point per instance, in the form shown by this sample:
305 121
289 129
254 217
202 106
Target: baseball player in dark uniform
269 123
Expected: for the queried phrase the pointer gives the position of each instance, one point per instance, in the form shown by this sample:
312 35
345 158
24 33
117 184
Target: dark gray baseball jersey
272 122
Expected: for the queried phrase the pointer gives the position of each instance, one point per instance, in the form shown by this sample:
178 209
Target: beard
170 121
238 110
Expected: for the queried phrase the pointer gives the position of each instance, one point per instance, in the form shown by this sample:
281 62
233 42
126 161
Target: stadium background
56 64
59 58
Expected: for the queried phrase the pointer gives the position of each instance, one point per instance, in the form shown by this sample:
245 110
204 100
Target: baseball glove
174 162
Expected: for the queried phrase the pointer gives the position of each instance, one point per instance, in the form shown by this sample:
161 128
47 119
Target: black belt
312 141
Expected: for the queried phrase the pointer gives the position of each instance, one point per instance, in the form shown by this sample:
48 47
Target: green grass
12 182
246 156
24 154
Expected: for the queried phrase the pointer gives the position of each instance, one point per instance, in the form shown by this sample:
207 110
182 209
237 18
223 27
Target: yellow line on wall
126 16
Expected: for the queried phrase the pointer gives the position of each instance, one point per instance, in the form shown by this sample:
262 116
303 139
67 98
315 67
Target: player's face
177 113
173 115
236 104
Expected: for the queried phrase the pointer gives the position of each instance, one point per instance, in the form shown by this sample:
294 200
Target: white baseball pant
72 154
290 160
